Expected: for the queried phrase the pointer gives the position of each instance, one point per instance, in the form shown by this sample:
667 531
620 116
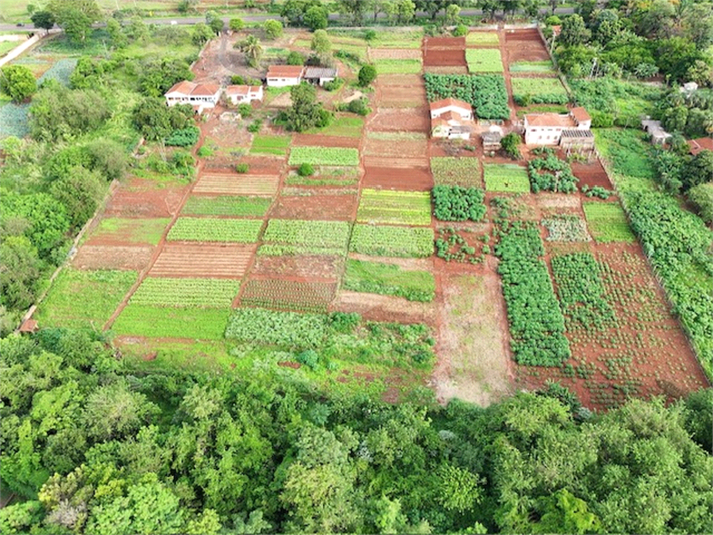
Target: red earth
444 58
318 266
144 198
223 261
591 174
318 207
414 179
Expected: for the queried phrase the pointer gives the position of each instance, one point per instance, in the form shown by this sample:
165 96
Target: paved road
29 27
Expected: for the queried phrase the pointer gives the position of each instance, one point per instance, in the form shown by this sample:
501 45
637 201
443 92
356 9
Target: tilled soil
404 178
224 261
121 257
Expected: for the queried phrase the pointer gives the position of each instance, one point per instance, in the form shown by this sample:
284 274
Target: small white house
547 128
200 96
450 125
320 75
452 105
243 94
284 75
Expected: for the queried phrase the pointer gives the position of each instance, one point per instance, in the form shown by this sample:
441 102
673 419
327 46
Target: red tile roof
285 71
450 102
697 145
580 114
185 87
206 89
550 120
242 89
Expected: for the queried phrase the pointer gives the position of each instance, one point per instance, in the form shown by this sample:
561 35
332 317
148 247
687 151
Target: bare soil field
444 58
524 45
413 179
325 141
558 200
314 206
394 162
397 120
134 258
375 307
396 96
406 80
225 261
145 198
591 174
320 267
406 148
235 184
262 166
439 69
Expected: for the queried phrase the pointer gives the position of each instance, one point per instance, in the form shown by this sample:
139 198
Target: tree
511 145
158 76
697 24
305 112
452 14
699 170
136 29
321 43
155 121
675 56
80 191
20 269
564 513
353 10
214 21
75 17
574 32
202 33
406 10
367 74
108 158
252 49
272 29
295 58
43 19
38 216
236 24
316 18
17 82
655 20
114 29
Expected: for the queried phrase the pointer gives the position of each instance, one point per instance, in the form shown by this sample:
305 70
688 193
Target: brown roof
242 89
697 145
28 326
580 114
450 102
189 88
185 87
206 89
550 120
285 71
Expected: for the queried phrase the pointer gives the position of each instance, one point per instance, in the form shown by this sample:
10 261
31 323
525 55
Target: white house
320 75
200 96
243 94
284 75
547 128
450 125
452 105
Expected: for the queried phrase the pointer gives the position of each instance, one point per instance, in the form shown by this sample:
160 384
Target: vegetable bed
336 156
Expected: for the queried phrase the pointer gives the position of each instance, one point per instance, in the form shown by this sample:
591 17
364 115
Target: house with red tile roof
284 75
550 128
451 119
200 96
243 94
697 145
452 105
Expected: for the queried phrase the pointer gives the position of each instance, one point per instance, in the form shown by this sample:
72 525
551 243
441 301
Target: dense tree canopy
17 82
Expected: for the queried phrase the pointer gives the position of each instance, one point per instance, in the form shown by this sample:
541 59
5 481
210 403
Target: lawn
456 171
130 231
484 60
342 125
384 240
78 298
482 38
389 279
161 322
183 292
607 222
506 178
210 229
226 205
538 91
398 66
395 207
336 156
532 66
275 145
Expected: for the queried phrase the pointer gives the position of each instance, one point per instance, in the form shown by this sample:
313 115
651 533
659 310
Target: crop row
538 91
607 222
534 315
213 229
389 279
186 292
506 178
486 93
396 207
548 173
335 156
227 205
581 292
456 171
288 295
383 240
276 328
566 228
328 234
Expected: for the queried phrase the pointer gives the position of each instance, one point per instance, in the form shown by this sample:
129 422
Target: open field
506 178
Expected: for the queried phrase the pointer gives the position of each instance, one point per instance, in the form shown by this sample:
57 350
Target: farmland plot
539 90
383 240
389 279
487 60
208 229
236 185
184 292
334 156
202 260
456 171
506 178
480 38
607 222
271 145
395 207
309 236
226 205
124 231
281 294
398 66
162 322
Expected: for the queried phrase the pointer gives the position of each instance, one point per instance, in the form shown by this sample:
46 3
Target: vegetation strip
184 292
218 230
383 240
389 279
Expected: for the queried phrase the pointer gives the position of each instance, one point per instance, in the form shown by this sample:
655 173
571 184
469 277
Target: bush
255 126
359 106
305 169
460 30
511 144
273 29
186 137
245 110
295 58
242 168
455 203
236 24
367 74
204 152
236 79
701 197
334 84
549 173
369 35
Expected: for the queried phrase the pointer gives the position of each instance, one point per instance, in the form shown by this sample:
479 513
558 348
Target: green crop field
395 207
383 240
130 231
389 279
336 156
538 91
78 298
456 171
482 38
342 125
183 292
309 234
607 222
532 66
161 322
275 145
213 229
398 66
226 205
506 178
484 60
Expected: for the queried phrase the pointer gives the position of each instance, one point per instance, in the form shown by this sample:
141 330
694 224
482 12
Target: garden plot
456 171
591 174
227 261
168 322
124 231
325 176
333 156
525 45
532 67
385 308
315 206
237 184
78 298
404 148
343 125
395 207
566 228
389 119
286 236
306 140
270 145
396 96
316 267
433 57
607 222
389 279
398 66
385 240
210 229
376 54
145 198
119 257
14 120
506 178
226 205
281 294
484 60
411 179
185 292
480 38
538 90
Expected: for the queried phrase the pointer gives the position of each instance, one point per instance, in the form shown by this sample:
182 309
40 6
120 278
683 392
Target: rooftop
580 114
187 88
576 132
242 89
320 72
285 71
550 120
437 105
700 144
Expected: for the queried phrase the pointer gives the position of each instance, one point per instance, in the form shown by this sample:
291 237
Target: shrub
701 197
460 30
359 106
367 74
295 58
549 173
255 126
334 84
186 137
242 168
455 203
245 110
272 28
305 169
204 152
236 24
511 144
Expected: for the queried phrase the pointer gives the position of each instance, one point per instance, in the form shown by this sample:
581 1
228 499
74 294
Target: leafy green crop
213 229
538 91
288 295
486 93
454 203
549 173
396 207
311 234
456 171
607 222
506 178
337 156
160 291
484 60
226 205
383 240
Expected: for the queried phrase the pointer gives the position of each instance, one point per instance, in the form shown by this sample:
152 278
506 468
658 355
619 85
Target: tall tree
75 17
252 49
574 31
43 19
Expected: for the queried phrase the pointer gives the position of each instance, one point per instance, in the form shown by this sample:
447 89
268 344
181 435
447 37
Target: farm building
697 145
659 136
450 125
547 128
492 141
243 94
200 96
452 105
284 75
574 140
320 75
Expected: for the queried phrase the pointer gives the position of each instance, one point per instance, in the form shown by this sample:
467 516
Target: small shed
577 140
492 141
320 75
29 326
659 136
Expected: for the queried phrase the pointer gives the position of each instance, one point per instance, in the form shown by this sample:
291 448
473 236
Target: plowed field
133 258
209 261
225 184
310 140
413 179
444 58
330 207
400 120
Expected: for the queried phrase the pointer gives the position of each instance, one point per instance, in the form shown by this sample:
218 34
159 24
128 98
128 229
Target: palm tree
252 49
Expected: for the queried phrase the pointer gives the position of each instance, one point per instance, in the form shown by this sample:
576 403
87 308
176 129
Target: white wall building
460 107
547 128
284 75
200 96
243 94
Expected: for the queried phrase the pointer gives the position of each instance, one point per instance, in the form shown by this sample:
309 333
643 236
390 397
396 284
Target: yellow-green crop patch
607 222
226 205
334 156
389 279
342 125
385 240
78 298
275 145
395 207
213 229
456 171
482 38
398 66
184 292
311 235
506 178
129 231
538 91
484 60
161 322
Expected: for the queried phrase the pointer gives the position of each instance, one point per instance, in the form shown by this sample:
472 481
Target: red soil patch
414 179
522 35
525 45
375 307
407 80
235 184
113 257
405 148
395 96
227 261
445 70
142 198
591 174
322 267
444 58
395 162
306 140
299 295
398 120
287 364
329 207
261 165
444 42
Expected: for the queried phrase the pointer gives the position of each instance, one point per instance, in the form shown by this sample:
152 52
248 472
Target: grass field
132 231
336 156
215 230
342 125
482 38
506 178
395 207
484 60
398 66
539 90
275 145
607 222
161 322
78 298
532 66
226 205
389 279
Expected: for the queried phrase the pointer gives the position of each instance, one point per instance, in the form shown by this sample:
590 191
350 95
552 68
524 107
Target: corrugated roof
576 132
320 72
